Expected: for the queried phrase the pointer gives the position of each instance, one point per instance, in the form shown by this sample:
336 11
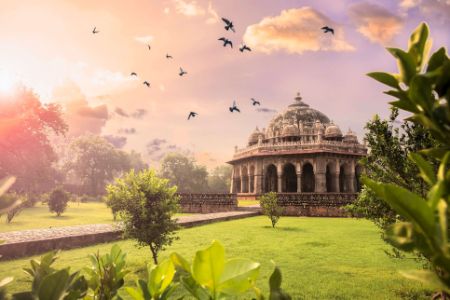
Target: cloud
375 22
266 110
147 39
159 148
79 115
121 112
117 141
436 9
213 16
296 31
139 113
127 130
188 8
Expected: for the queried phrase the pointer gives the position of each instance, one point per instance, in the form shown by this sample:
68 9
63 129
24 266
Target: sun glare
7 81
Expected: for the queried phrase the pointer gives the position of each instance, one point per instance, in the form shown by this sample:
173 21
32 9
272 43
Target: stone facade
301 151
207 203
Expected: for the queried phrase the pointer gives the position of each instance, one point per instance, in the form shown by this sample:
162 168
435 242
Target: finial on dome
298 98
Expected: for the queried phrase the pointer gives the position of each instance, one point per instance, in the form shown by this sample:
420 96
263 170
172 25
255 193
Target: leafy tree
25 127
220 179
94 161
58 200
422 88
184 173
270 208
146 204
388 162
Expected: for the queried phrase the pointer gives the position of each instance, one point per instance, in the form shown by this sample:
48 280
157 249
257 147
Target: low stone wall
207 203
315 204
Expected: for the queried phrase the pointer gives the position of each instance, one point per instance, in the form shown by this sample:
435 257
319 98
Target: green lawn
320 258
76 214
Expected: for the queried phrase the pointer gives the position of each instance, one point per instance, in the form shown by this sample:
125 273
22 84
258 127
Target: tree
388 162
146 204
182 172
220 179
270 208
422 88
93 161
26 151
57 201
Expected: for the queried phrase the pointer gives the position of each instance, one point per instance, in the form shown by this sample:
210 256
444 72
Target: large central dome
299 113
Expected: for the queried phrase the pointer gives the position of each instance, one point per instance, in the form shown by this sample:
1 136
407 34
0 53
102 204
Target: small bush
270 208
57 201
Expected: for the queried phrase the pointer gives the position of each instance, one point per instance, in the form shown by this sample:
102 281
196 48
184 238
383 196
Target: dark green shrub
270 208
57 201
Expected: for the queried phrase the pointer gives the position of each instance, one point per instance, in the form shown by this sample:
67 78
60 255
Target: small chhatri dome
253 139
350 137
332 131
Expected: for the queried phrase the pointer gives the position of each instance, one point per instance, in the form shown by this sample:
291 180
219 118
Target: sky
48 46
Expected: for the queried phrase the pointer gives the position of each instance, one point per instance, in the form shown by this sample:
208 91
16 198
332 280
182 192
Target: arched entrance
252 179
343 186
329 180
289 179
270 178
237 181
244 176
308 180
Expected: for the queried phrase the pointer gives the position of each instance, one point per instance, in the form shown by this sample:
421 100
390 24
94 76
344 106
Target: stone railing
207 203
300 145
315 204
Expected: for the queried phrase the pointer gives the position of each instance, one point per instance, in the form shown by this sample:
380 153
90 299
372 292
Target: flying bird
327 29
182 72
168 56
255 102
95 30
226 42
146 83
149 47
234 107
244 47
133 74
192 114
228 24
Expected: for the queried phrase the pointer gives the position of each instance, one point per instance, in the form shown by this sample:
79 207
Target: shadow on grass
62 217
288 228
316 244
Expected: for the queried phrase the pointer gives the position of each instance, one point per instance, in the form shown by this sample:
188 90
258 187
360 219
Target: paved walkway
72 231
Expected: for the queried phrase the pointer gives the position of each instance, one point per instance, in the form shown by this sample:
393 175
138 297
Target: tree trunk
154 254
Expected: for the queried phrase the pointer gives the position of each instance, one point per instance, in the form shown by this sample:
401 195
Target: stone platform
31 242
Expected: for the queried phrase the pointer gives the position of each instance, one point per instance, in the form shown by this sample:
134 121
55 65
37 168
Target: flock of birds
229 26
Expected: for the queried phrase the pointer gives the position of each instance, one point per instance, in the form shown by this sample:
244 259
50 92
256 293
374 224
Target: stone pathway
87 234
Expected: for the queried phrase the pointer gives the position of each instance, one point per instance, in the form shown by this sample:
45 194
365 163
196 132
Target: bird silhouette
182 72
133 74
226 42
255 102
228 24
234 107
168 56
244 47
95 30
146 83
149 47
327 29
192 114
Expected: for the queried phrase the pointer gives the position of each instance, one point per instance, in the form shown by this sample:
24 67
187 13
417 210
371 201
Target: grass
76 214
320 258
